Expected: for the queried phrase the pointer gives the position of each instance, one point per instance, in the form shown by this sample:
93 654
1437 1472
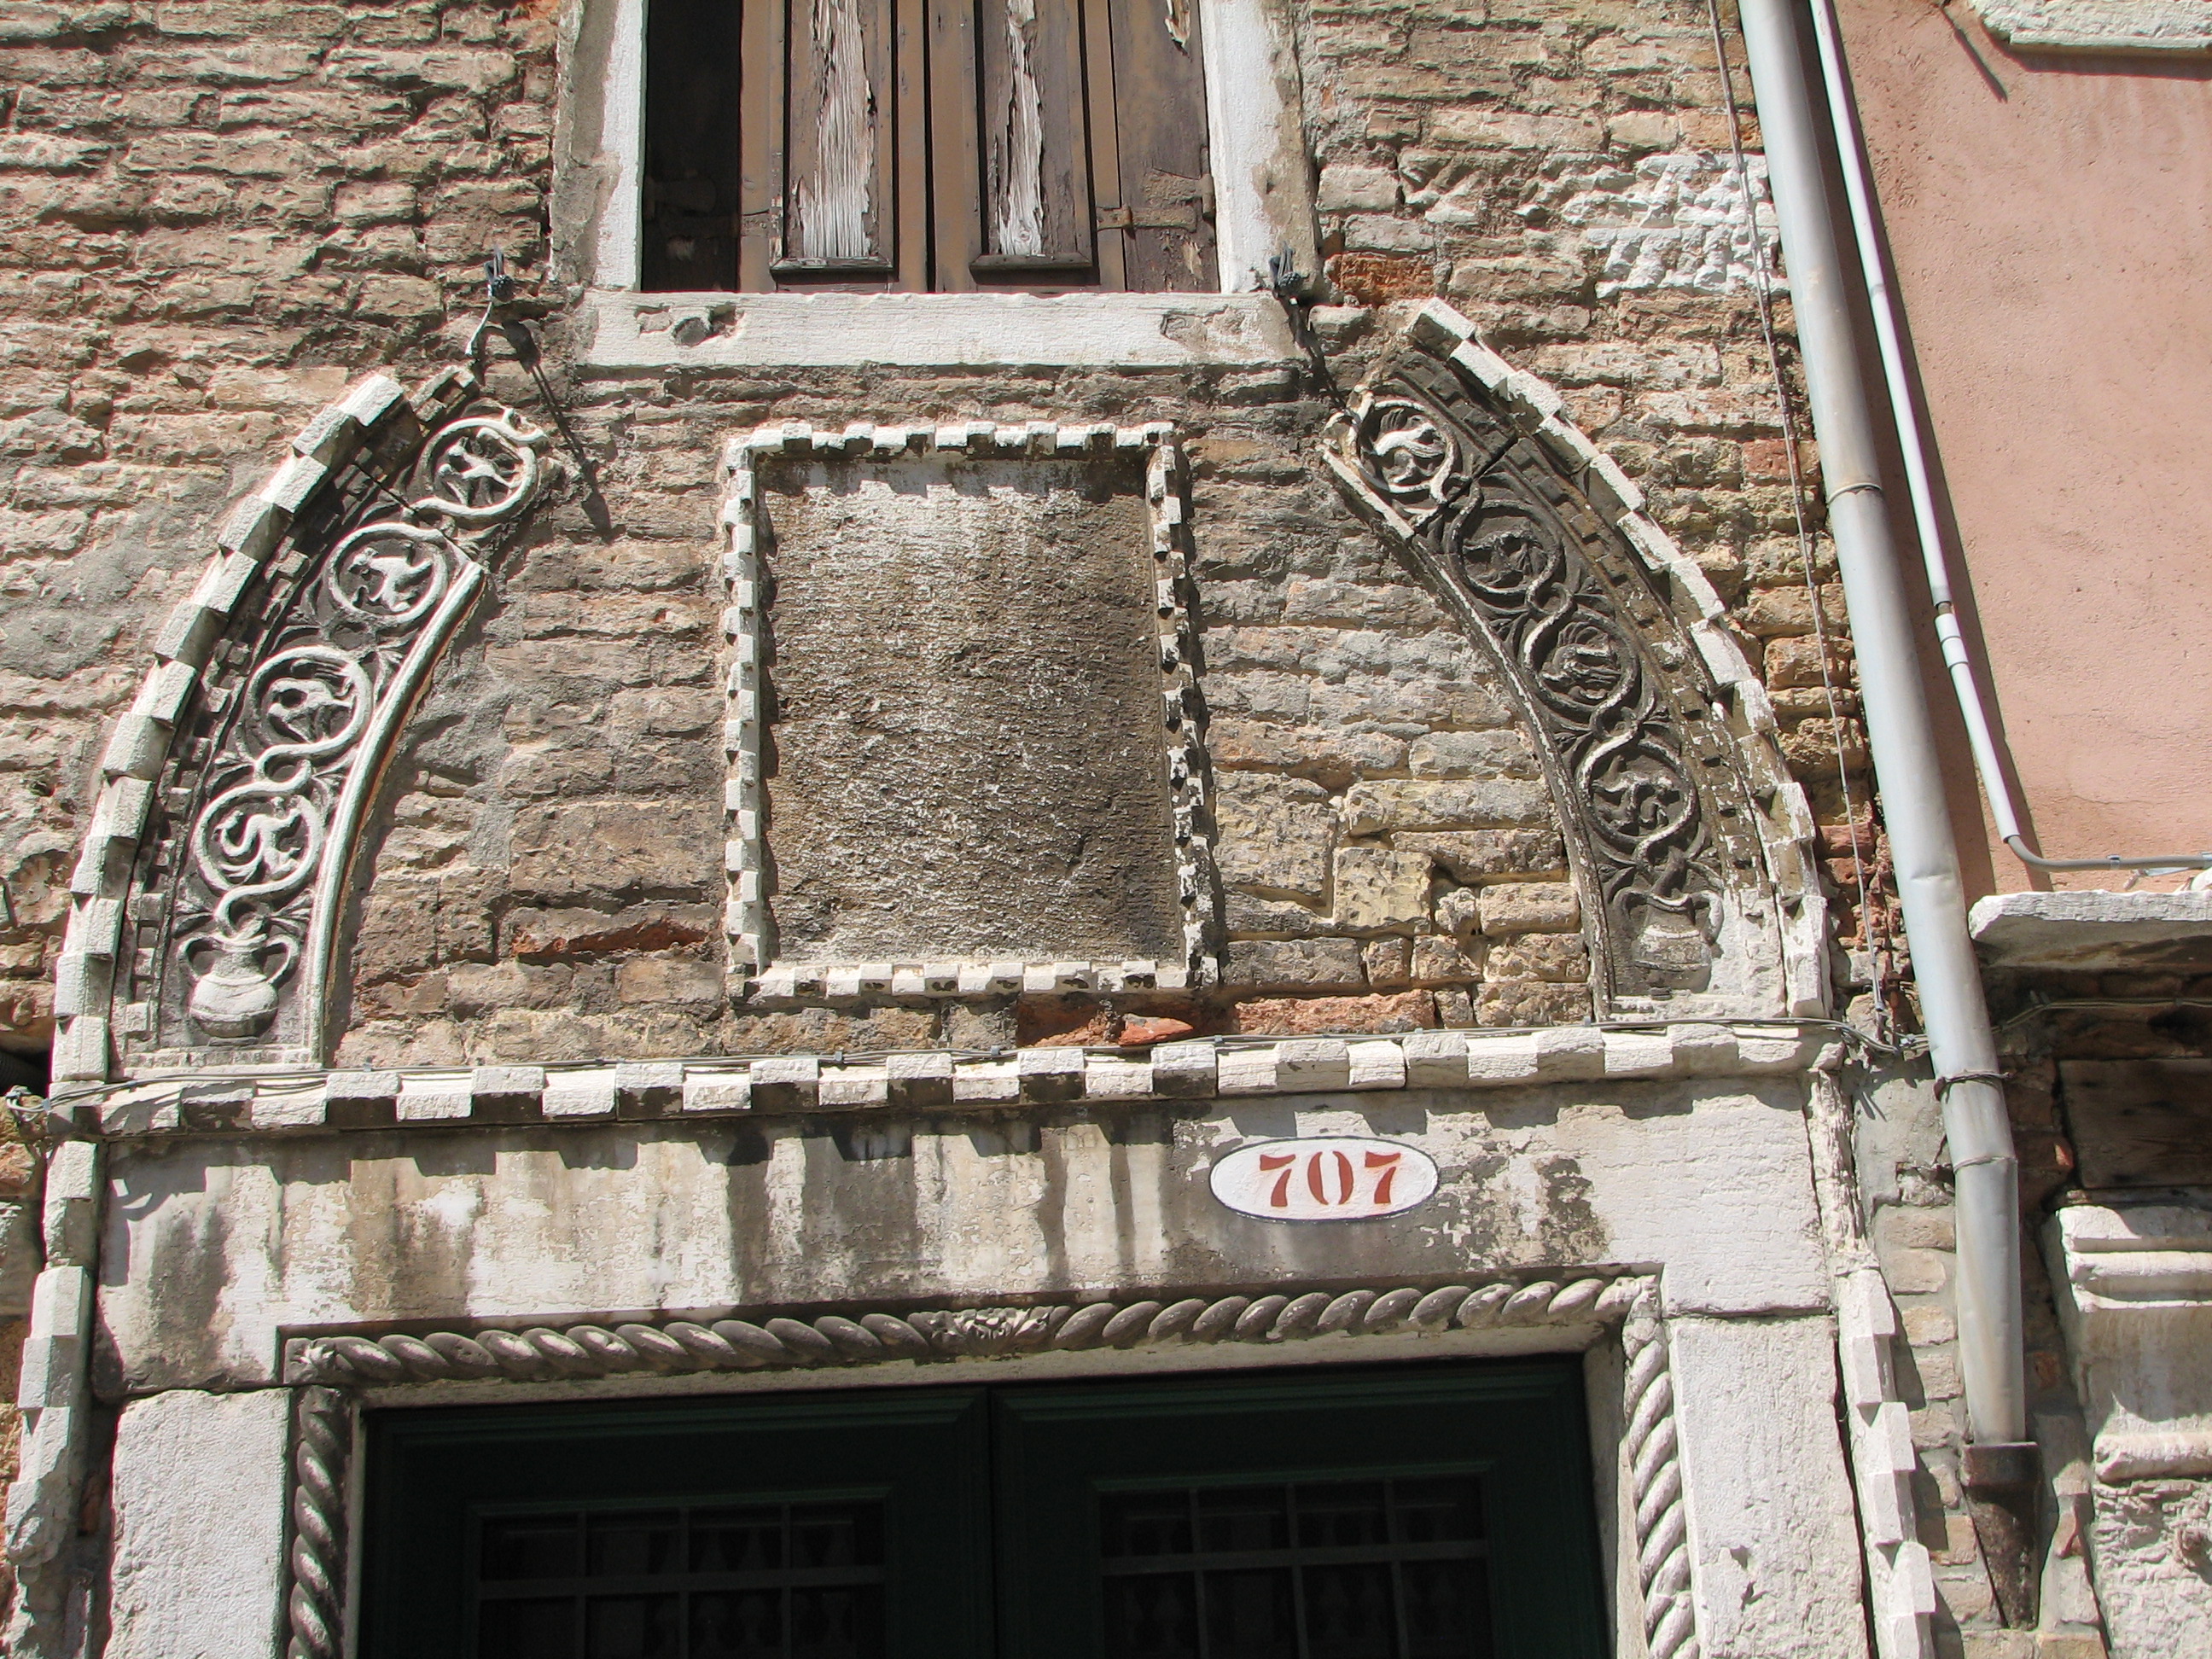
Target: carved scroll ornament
1507 536
294 742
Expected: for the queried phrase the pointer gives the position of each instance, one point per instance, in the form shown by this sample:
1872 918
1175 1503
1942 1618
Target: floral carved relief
1630 736
263 799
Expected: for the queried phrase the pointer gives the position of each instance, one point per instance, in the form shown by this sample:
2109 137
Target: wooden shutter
927 144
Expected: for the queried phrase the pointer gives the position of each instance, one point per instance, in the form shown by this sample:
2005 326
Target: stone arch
1689 840
205 903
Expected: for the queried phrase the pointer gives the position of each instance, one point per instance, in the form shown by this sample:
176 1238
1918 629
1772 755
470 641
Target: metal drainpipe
1962 1047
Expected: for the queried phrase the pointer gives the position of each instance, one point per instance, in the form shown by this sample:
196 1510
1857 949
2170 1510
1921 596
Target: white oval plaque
1324 1178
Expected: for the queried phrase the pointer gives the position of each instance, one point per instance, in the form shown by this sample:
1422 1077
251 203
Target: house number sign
1324 1178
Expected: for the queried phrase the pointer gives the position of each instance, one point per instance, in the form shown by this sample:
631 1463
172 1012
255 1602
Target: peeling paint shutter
926 144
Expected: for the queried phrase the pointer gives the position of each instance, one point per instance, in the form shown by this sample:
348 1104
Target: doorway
1431 1512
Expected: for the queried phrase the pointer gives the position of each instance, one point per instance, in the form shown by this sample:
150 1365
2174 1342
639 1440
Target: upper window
926 146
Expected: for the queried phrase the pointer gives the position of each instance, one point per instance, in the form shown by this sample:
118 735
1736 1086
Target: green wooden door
851 1525
1407 1512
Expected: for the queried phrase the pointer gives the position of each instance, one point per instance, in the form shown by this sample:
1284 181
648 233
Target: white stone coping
2087 931
1200 1069
618 329
2162 26
2133 1295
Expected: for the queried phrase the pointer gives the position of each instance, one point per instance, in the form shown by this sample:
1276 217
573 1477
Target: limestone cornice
1175 1073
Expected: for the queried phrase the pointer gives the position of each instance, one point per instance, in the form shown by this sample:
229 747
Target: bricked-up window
941 146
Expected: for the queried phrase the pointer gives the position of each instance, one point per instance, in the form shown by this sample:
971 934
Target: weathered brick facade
217 216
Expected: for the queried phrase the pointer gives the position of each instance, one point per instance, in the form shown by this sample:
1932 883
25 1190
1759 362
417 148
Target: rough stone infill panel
963 715
968 754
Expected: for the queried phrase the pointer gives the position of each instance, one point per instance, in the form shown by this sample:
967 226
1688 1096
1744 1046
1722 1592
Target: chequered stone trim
1199 1070
750 916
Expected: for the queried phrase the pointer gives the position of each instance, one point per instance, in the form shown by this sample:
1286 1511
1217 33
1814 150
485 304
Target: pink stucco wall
2051 220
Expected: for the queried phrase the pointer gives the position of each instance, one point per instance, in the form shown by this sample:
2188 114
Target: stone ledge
2160 26
1202 1069
2094 932
622 330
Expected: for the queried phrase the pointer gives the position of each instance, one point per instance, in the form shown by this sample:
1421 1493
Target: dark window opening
925 146
29 1070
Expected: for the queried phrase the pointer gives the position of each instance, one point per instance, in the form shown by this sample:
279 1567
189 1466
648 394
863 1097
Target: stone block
1459 912
198 1497
1435 1060
1345 188
361 1100
1502 753
506 1093
1273 833
1563 958
1317 963
1437 959
668 979
1248 1071
72 1216
1387 962
1379 888
1407 1010
598 850
1184 1071
1530 907
785 1084
1313 1064
1245 913
921 1080
717 1091
648 1090
1379 806
1530 1002
1050 1074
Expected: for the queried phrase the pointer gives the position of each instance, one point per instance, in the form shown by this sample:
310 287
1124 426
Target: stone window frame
748 918
1263 220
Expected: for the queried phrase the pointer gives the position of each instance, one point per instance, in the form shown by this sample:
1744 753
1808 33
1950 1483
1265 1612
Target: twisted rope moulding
543 1354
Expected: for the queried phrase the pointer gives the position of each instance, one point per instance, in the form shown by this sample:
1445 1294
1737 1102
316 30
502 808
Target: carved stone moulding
1578 1304
2134 1286
789 461
780 1342
205 903
1175 1073
1690 842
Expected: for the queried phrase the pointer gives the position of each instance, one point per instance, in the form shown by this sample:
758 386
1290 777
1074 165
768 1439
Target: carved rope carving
296 741
542 1353
333 1364
1663 1540
322 1447
1506 535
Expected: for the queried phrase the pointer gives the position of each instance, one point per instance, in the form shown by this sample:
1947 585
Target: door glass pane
1370 1569
764 1580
